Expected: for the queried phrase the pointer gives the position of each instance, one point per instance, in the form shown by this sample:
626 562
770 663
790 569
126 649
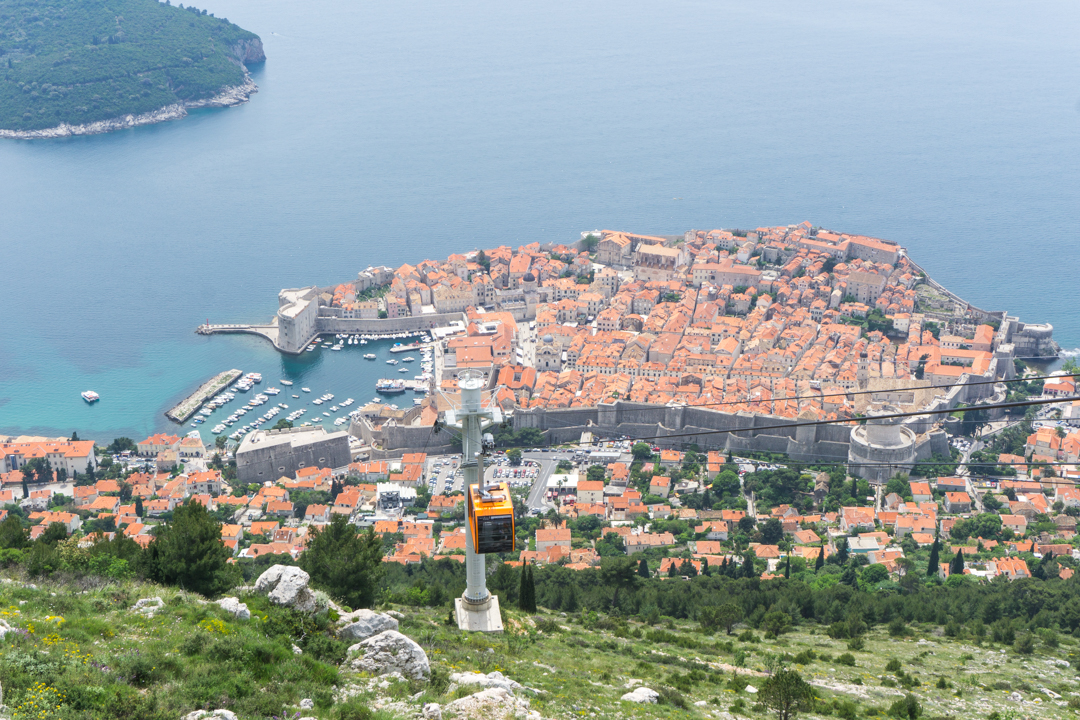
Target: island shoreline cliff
244 51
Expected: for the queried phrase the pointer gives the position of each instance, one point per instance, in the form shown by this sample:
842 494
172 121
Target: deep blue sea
391 132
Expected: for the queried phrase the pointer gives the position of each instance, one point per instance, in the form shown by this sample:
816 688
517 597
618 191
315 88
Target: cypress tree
787 568
705 567
748 566
643 568
820 562
530 587
935 558
672 570
842 552
956 567
523 590
138 506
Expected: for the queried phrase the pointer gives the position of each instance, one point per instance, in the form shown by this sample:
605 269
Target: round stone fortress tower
882 447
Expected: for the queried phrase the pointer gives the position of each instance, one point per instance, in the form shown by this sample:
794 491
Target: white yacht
369 356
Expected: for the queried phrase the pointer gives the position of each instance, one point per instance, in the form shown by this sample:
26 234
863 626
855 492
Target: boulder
148 606
388 652
212 715
296 650
366 623
233 606
5 629
307 704
432 711
641 695
287 585
491 703
399 616
492 679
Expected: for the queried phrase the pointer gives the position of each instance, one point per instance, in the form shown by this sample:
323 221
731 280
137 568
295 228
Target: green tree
641 451
956 567
820 562
13 536
596 473
121 444
281 424
786 694
589 242
619 573
935 558
514 456
527 590
643 569
189 552
775 623
139 506
347 565
772 531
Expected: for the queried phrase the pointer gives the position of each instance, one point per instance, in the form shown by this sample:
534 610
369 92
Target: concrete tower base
484 617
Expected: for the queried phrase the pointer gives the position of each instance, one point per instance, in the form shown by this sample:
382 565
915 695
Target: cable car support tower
477 609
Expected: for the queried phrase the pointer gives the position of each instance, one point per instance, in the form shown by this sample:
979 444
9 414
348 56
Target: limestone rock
5 629
388 652
296 650
493 679
491 703
641 695
365 623
233 605
148 606
287 585
432 711
400 616
307 704
215 715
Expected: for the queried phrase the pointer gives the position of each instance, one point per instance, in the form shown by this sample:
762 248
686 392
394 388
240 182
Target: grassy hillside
79 61
78 651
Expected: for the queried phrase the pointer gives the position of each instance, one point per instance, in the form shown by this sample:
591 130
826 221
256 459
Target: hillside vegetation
80 61
77 649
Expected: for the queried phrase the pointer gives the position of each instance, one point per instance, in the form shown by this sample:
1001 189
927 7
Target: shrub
1025 644
856 644
893 666
352 710
671 696
805 657
907 708
846 659
897 628
942 684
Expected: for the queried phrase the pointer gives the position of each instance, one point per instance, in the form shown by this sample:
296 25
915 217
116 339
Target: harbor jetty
207 390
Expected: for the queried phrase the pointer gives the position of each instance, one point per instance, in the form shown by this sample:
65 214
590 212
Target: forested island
88 66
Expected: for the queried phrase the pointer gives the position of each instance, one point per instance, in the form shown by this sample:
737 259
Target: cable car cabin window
495 534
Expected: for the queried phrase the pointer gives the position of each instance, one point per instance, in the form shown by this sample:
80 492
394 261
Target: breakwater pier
207 390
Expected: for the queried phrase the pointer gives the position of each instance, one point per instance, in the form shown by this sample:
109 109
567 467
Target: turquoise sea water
391 132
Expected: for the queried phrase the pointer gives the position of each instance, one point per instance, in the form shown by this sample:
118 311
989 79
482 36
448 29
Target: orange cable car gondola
491 518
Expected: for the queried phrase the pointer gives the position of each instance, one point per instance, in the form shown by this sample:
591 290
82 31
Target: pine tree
643 568
820 562
935 559
571 604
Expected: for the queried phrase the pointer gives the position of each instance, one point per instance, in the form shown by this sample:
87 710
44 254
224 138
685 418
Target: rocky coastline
228 97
